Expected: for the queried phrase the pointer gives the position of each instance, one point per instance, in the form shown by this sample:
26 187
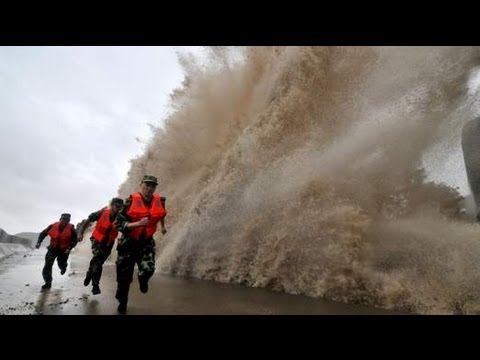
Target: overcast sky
69 120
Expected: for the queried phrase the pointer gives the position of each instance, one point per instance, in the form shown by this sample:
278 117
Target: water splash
303 169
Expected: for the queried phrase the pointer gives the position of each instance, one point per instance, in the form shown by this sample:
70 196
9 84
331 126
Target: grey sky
69 119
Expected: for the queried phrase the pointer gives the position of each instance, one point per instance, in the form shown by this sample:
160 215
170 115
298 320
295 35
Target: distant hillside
32 236
15 239
10 244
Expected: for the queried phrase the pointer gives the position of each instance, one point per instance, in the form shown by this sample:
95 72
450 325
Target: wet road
21 280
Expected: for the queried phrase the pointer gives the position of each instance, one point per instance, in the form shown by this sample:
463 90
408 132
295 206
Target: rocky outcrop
10 244
15 239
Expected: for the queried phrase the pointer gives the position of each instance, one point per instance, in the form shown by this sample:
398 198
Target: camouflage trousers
130 253
100 251
52 254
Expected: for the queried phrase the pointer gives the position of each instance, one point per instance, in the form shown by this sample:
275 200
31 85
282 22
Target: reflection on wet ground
21 281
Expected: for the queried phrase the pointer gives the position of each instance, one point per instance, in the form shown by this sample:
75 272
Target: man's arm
162 223
163 199
91 219
121 221
83 228
74 239
42 236
123 224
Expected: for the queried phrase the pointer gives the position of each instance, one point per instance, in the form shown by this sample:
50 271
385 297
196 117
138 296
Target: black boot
122 307
143 284
88 278
46 286
95 290
122 296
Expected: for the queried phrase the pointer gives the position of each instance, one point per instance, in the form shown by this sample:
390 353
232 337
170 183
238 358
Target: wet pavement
21 281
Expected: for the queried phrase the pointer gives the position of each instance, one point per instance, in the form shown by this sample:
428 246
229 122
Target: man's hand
37 246
143 222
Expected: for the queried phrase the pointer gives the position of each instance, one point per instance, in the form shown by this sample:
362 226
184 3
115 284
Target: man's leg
62 261
125 265
47 268
100 254
88 275
146 266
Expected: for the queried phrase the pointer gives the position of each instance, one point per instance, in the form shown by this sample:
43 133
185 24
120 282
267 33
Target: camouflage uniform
100 250
131 252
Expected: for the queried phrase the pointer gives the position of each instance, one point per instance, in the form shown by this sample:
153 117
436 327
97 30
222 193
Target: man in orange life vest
63 238
103 238
137 222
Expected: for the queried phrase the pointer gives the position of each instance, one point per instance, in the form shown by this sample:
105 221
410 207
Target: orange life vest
139 210
60 239
104 230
